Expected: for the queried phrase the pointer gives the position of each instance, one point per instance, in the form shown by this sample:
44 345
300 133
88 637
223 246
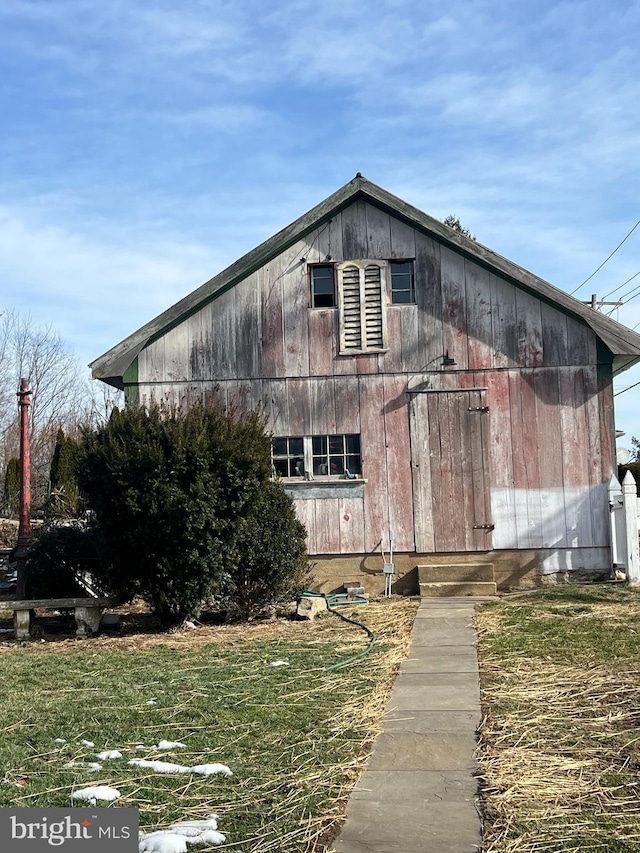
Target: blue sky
147 144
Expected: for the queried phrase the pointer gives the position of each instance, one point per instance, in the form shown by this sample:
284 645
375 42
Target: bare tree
62 394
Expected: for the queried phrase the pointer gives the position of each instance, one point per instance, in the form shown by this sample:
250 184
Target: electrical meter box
388 568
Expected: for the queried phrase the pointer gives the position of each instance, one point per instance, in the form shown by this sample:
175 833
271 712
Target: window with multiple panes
317 456
288 456
403 290
323 289
336 455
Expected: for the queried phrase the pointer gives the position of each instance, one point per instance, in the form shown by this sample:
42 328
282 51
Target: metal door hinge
478 409
484 527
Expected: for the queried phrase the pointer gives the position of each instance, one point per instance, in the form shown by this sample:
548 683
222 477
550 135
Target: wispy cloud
145 145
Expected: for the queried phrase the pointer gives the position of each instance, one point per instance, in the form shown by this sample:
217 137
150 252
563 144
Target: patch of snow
209 836
152 702
59 740
70 765
167 767
96 792
193 827
211 769
171 744
159 766
163 842
108 754
176 838
87 743
280 663
94 767
142 746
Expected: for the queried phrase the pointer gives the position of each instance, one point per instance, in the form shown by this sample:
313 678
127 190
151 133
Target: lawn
559 745
295 736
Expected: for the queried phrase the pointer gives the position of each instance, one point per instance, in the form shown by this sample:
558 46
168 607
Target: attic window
323 290
402 282
361 299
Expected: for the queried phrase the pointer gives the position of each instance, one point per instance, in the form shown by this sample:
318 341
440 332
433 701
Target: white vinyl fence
624 506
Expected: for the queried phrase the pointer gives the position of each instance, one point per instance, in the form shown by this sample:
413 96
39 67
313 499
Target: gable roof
621 341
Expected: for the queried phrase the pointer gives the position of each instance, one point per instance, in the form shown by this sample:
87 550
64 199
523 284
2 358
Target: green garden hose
340 599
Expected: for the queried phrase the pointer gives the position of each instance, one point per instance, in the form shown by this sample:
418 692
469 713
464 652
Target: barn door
449 450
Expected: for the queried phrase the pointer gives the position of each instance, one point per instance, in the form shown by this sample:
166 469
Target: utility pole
596 303
24 527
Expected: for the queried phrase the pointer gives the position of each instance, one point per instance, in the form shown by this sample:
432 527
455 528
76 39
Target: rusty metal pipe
24 525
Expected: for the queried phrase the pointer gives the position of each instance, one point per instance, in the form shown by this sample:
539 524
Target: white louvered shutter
361 289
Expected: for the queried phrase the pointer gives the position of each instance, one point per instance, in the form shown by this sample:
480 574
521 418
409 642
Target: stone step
455 572
454 589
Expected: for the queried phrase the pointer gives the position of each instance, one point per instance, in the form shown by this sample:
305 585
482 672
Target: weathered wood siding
549 426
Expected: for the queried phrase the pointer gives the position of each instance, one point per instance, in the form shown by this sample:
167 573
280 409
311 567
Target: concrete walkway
418 791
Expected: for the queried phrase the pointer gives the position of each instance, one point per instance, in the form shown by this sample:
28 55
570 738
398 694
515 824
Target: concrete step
455 572
455 589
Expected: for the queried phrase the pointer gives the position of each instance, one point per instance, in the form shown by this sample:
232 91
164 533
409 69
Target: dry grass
559 745
296 737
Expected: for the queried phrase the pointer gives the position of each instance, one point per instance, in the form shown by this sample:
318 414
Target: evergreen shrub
271 557
167 491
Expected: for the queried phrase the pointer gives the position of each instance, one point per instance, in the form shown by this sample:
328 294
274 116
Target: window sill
321 481
346 353
323 488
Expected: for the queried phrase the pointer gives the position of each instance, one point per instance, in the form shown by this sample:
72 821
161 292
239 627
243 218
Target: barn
425 395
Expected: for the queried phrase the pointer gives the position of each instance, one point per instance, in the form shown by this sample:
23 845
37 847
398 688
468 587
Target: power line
621 285
622 301
626 389
606 259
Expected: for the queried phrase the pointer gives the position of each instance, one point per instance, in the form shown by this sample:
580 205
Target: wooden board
295 290
503 323
176 354
151 362
398 460
378 233
549 449
391 361
421 476
478 306
306 513
248 322
323 331
354 232
272 323
323 407
351 520
329 240
347 403
423 343
299 406
555 335
327 525
529 329
454 313
403 240
372 442
277 406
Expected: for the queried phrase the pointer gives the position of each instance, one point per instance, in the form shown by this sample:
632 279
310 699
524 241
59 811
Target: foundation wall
513 570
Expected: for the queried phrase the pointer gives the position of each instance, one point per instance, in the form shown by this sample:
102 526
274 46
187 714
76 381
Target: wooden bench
87 611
